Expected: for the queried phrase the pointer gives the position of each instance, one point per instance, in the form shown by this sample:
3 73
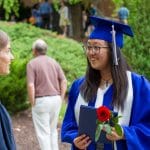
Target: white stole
126 113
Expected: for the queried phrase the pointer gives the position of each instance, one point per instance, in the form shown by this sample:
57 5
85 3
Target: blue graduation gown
137 134
7 141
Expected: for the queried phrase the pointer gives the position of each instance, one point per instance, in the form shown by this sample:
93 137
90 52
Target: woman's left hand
82 142
114 136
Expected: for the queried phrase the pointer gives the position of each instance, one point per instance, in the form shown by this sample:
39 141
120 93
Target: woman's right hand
82 142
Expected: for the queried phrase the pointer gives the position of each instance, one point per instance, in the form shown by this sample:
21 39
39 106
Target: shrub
66 51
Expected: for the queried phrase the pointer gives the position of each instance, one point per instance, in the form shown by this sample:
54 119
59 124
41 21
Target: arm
30 84
69 127
69 131
63 88
137 134
31 93
62 81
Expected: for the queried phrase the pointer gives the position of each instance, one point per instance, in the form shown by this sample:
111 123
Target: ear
34 52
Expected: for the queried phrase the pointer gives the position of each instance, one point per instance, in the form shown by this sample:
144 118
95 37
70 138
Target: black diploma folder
87 124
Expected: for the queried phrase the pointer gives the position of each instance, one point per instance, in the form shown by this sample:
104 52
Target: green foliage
10 6
118 129
72 2
137 50
13 89
62 111
98 131
67 52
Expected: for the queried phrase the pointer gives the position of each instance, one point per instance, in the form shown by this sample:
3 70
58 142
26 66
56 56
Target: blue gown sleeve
69 129
137 134
7 141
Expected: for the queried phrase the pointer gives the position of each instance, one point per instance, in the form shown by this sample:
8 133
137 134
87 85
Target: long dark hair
120 82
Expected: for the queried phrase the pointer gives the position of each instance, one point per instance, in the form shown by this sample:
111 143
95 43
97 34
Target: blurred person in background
47 86
123 14
64 21
35 12
91 11
45 9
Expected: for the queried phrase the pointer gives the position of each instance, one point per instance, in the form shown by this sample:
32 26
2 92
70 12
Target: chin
5 72
95 67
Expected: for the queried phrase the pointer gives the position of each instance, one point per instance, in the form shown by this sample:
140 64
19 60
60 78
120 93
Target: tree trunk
76 21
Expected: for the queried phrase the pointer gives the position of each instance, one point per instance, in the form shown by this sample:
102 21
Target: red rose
103 113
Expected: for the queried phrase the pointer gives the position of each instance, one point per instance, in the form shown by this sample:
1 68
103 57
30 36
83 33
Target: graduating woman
6 134
108 81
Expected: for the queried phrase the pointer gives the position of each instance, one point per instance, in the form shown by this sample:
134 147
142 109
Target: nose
12 56
92 51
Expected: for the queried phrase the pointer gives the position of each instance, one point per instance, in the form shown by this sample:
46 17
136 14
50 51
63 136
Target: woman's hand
82 142
114 136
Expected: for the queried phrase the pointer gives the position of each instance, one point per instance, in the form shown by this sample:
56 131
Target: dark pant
45 21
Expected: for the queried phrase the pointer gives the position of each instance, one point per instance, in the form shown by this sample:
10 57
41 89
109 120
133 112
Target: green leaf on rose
118 129
115 120
107 128
98 122
98 131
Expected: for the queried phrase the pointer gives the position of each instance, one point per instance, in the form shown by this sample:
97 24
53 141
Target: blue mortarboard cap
103 30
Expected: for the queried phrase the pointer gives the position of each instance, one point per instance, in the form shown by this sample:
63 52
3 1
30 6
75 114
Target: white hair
40 46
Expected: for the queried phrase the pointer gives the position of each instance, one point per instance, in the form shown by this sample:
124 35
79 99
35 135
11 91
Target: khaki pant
45 115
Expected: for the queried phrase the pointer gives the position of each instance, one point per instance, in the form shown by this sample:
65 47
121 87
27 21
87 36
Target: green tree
138 49
10 6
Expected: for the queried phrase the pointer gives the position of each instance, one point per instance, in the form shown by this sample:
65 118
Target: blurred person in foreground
109 82
47 85
7 141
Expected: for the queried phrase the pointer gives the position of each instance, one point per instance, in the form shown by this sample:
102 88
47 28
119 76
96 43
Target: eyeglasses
95 49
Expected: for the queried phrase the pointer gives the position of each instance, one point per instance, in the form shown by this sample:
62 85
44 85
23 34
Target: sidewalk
25 135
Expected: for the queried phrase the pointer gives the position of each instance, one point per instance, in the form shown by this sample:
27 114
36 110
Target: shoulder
140 81
76 85
36 61
138 77
74 90
54 62
33 60
51 59
78 81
